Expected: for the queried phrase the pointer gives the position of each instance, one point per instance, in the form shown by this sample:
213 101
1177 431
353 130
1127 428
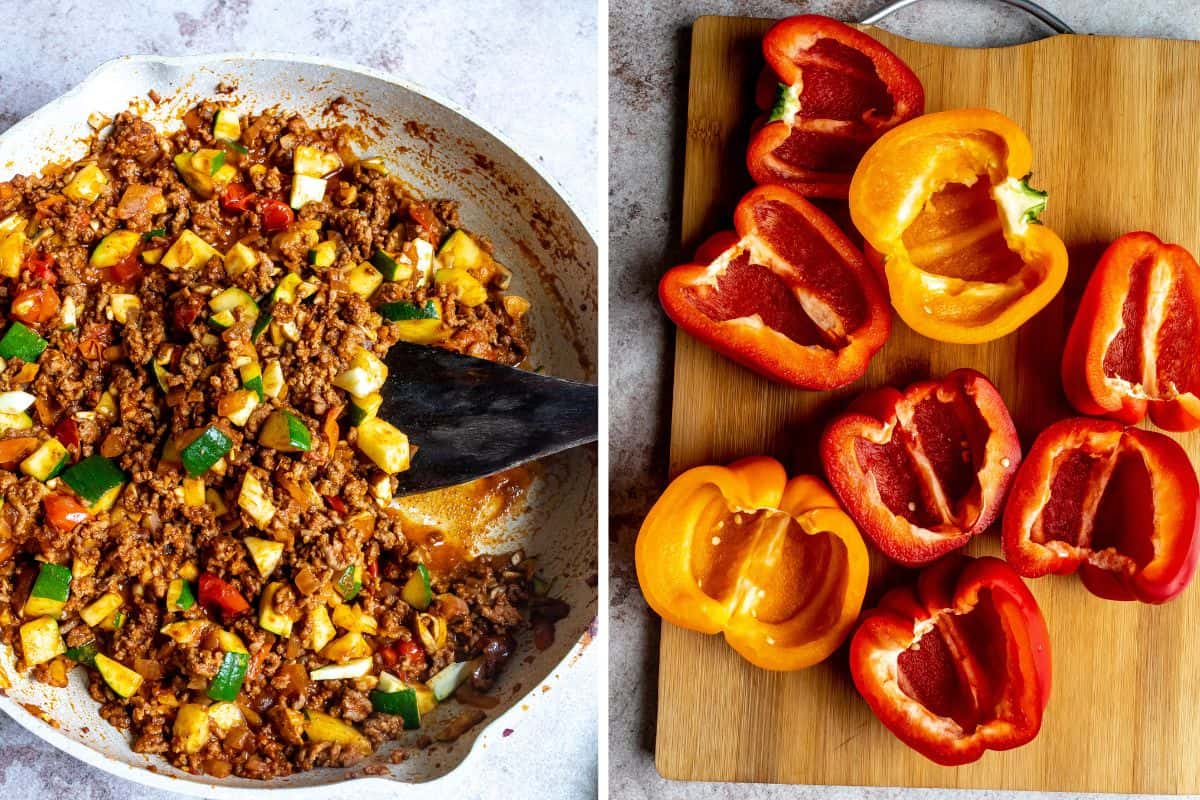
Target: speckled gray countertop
649 49
540 91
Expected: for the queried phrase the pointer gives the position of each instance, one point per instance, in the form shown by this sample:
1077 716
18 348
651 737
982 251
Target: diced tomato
36 305
276 214
423 215
217 592
96 336
373 569
407 651
41 266
336 503
66 430
237 197
127 270
184 313
64 512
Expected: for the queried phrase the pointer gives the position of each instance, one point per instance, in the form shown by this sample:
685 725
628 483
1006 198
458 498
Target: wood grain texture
1114 128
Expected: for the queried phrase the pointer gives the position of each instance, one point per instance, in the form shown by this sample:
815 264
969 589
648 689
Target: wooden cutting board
1116 138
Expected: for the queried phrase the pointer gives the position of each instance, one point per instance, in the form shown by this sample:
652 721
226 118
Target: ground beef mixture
196 490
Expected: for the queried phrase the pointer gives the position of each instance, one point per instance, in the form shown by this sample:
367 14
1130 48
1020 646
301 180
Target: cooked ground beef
224 549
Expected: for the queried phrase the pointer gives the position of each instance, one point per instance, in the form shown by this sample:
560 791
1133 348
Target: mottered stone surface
528 70
648 84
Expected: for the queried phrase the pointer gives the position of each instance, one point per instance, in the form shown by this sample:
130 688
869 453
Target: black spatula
472 418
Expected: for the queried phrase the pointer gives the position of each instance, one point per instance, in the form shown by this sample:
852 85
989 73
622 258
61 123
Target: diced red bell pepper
40 265
838 90
276 215
66 430
788 295
127 270
423 215
64 512
958 664
237 197
1117 504
336 503
405 651
923 470
215 591
1134 343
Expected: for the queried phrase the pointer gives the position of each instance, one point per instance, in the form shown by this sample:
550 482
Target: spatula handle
1044 16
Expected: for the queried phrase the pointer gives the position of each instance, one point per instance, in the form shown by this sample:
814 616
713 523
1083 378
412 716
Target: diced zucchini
193 492
237 302
306 190
286 432
251 377
323 255
87 184
230 642
93 478
12 253
106 406
225 716
402 703
321 727
41 641
268 618
338 672
189 571
188 252
272 379
392 268
226 125
364 280
213 498
191 727
265 553
426 330
208 161
320 630
384 444
402 310
418 591
260 325
365 375
68 314
351 618
120 678
197 180
49 593
15 422
180 596
48 460
364 408
314 162
238 259
119 305
450 678
470 290
282 332
227 682
460 250
107 500
349 582
15 402
11 224
153 255
425 262
254 501
205 450
101 609
84 654
346 648
115 247
239 405
374 164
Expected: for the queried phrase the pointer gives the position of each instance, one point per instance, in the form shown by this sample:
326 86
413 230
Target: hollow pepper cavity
771 563
788 295
923 470
831 91
1116 504
1134 343
944 204
958 664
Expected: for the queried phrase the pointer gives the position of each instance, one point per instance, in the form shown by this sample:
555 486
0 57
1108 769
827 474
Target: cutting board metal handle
1050 20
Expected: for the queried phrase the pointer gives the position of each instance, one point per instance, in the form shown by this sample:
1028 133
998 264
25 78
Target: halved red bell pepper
923 470
1117 504
958 664
787 296
1135 341
838 90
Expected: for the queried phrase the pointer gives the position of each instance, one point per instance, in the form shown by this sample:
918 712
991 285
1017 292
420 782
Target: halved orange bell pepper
835 90
949 218
788 296
1135 341
773 564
